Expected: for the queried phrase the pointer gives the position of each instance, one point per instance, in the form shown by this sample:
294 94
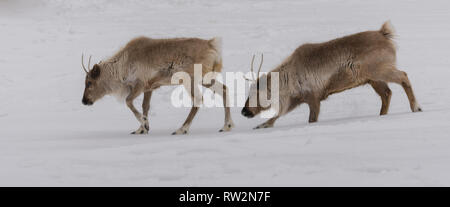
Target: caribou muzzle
86 101
245 112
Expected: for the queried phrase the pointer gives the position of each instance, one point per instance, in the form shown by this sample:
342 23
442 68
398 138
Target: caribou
315 71
146 64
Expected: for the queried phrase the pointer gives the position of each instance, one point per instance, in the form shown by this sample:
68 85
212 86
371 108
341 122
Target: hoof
227 127
263 126
141 130
180 131
417 109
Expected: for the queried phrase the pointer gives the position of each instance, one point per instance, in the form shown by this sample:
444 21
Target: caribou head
259 87
94 89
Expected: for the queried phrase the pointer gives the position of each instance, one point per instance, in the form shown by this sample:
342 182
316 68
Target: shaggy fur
315 71
145 64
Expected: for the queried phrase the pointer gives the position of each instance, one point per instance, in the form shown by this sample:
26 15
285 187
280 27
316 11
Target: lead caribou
315 71
145 64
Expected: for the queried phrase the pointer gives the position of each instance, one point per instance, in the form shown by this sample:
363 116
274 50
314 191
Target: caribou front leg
135 92
145 109
268 124
292 103
314 109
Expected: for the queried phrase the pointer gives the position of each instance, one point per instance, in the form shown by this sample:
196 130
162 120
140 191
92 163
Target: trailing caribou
145 64
315 71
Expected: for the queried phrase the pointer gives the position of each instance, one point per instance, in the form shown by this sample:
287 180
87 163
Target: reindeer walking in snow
315 71
145 64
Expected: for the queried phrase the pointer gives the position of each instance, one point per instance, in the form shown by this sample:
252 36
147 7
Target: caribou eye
88 84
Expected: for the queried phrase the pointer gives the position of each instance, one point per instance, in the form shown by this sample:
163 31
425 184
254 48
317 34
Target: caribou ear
95 72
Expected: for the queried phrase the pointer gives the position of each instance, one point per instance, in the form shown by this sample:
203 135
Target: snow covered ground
48 138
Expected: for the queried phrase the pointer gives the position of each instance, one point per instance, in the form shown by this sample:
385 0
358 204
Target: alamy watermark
241 92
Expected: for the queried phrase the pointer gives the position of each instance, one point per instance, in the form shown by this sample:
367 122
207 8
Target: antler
260 65
89 63
251 69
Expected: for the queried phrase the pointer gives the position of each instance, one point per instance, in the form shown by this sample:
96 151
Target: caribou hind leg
384 92
409 92
391 74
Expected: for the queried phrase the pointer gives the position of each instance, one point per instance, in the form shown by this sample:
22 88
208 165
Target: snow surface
48 138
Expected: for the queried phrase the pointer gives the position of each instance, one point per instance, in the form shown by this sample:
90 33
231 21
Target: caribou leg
269 123
196 97
392 74
135 92
385 94
292 103
146 107
314 109
222 90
